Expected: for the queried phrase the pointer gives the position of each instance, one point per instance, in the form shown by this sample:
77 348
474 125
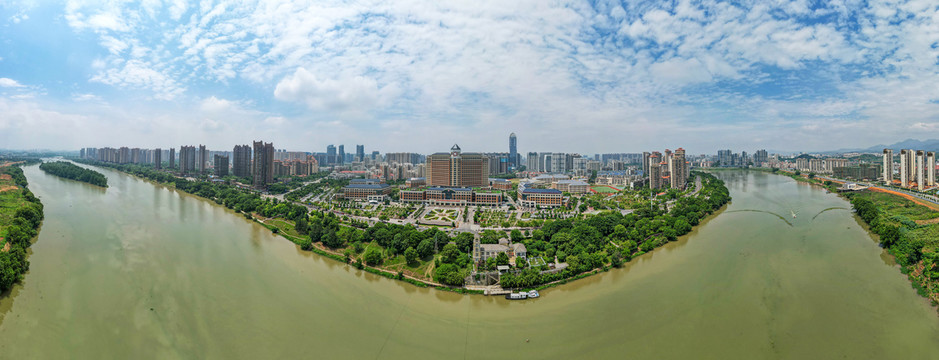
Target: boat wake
783 218
829 209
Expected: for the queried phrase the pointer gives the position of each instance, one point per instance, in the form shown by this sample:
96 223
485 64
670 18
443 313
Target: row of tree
19 232
74 172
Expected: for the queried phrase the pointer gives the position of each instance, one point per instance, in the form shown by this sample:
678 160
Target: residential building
888 166
678 169
158 159
241 161
572 186
172 162
187 159
655 171
263 165
905 165
920 170
369 191
532 163
221 165
930 168
203 158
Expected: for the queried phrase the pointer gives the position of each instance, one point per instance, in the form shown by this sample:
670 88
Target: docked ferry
523 295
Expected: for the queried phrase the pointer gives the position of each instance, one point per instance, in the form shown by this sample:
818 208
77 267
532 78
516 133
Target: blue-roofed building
541 198
370 191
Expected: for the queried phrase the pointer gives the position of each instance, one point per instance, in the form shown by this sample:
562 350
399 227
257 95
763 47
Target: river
143 271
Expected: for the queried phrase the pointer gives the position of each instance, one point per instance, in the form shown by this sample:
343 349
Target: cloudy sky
419 76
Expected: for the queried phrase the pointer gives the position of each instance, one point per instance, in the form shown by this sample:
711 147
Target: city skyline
569 77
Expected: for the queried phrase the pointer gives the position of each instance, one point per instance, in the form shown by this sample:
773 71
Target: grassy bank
21 215
909 232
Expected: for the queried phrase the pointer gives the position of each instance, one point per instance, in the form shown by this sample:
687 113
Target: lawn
604 189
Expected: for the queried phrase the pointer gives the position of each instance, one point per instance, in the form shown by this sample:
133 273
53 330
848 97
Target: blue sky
598 76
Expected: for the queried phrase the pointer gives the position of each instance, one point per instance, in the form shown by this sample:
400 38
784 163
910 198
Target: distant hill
927 145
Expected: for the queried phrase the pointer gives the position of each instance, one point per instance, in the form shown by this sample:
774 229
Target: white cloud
9 83
353 93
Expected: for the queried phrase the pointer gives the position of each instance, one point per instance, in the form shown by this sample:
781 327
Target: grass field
604 189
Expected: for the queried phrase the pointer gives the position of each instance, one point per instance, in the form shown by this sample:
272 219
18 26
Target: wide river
142 271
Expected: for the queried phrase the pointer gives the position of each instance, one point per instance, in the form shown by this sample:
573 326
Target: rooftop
542 191
367 186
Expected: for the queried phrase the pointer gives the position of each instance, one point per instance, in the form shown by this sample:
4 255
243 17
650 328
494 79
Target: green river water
142 271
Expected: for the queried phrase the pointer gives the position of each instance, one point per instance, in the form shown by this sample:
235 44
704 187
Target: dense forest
18 233
74 172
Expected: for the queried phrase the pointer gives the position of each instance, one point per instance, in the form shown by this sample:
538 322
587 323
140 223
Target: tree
332 240
449 253
449 274
410 255
502 259
517 236
373 257
425 248
464 242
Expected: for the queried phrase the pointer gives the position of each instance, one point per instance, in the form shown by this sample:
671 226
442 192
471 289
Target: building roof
573 182
367 186
493 247
455 147
498 180
364 181
518 247
438 188
542 191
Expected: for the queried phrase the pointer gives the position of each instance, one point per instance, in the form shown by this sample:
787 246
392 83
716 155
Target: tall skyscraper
221 165
331 155
172 163
263 164
888 166
241 161
342 155
203 157
513 151
360 153
158 159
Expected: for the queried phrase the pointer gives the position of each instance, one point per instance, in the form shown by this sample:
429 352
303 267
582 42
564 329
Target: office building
221 165
888 166
331 155
456 169
263 165
513 151
360 153
341 158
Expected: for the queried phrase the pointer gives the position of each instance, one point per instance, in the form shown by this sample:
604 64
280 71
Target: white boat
533 294
516 296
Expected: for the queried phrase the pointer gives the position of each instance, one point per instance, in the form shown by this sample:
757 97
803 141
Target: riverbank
21 216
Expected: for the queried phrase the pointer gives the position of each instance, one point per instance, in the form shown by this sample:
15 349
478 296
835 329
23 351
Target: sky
419 76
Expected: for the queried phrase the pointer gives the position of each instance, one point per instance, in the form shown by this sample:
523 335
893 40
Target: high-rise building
172 163
241 161
187 159
888 166
920 170
456 169
360 153
203 157
930 168
645 163
532 163
905 168
341 158
263 164
221 165
655 171
158 159
760 158
331 155
513 151
677 170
